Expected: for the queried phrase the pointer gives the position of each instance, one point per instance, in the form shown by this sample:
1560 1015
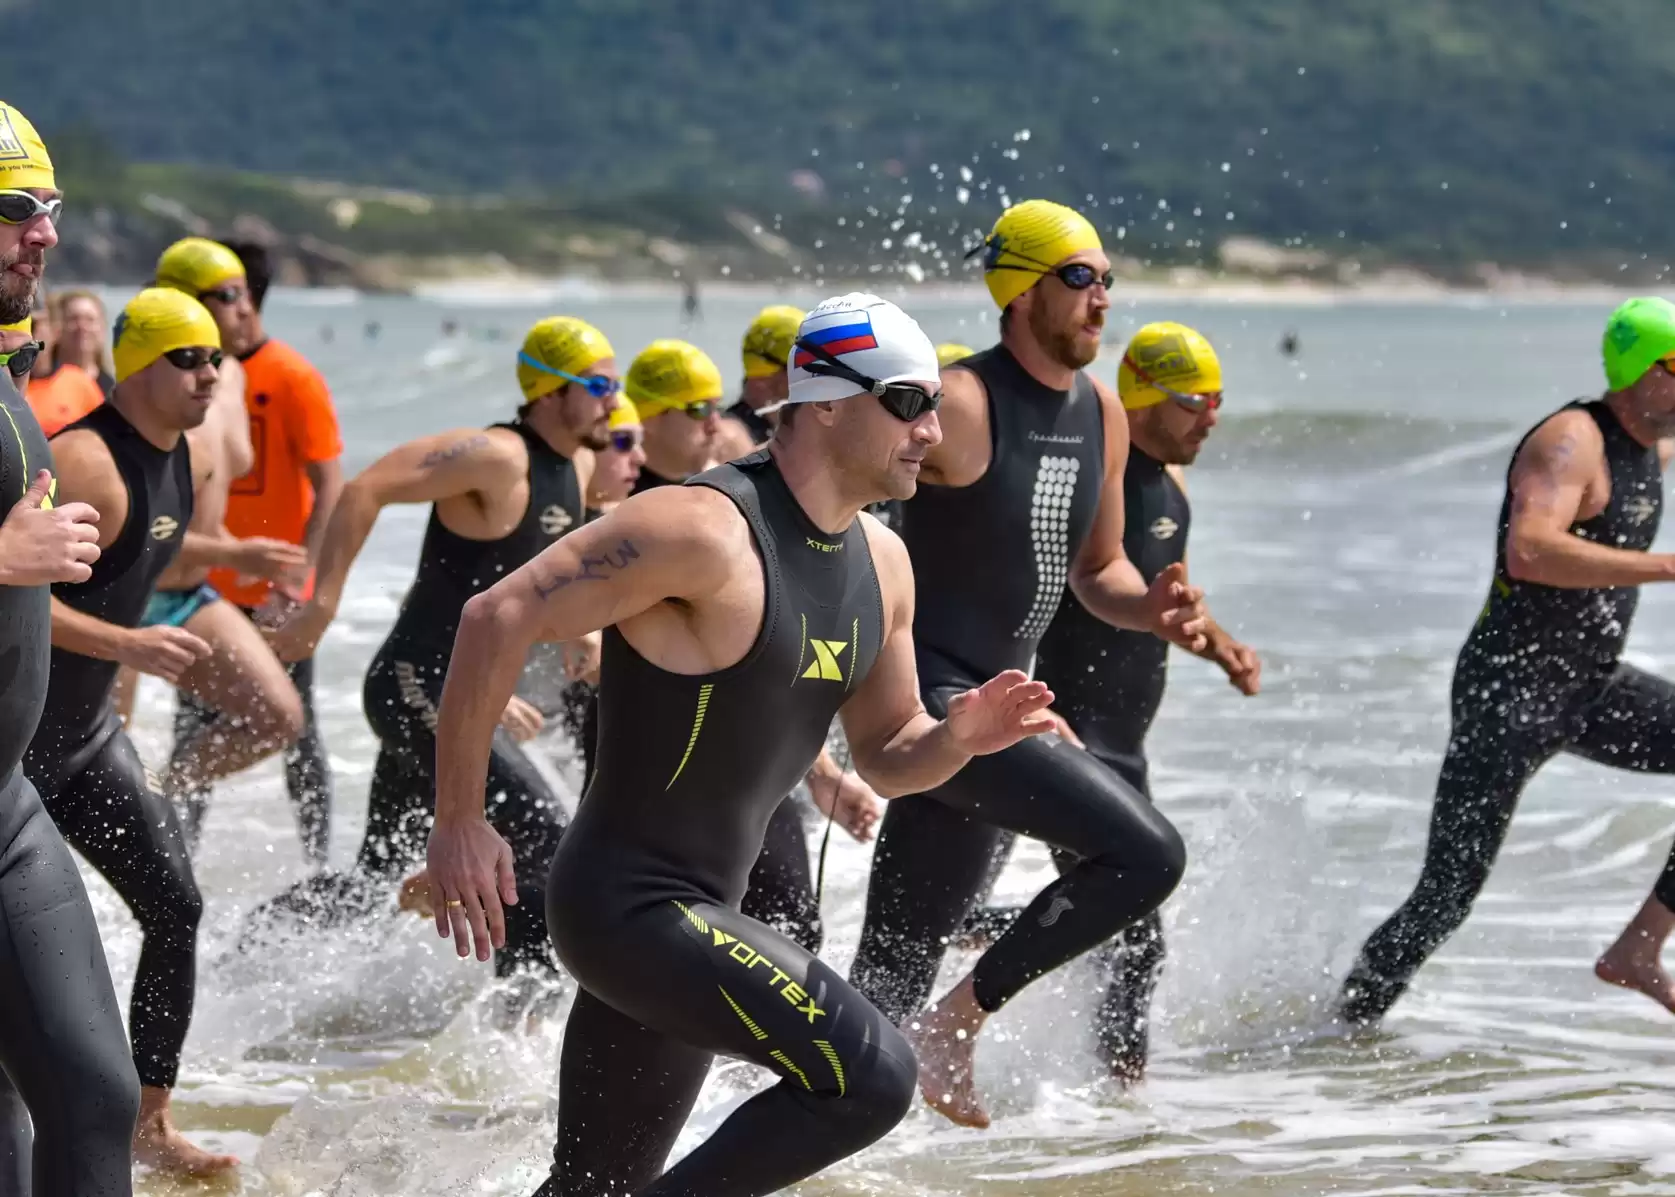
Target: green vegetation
1436 131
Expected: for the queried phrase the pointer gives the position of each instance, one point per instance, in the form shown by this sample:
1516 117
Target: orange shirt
292 425
63 397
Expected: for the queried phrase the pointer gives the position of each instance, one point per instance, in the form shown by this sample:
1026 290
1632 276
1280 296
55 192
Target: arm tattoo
593 569
458 449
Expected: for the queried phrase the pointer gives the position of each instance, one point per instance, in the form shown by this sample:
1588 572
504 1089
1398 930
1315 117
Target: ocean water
1344 525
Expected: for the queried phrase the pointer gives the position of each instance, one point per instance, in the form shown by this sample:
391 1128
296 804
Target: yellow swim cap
1169 355
669 375
1028 240
624 414
156 321
24 162
196 264
26 325
950 352
558 343
768 340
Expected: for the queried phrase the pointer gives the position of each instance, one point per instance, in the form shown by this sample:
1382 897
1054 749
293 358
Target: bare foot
157 1144
945 1040
1632 966
415 894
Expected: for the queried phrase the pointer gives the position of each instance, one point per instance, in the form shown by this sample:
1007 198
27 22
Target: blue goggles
596 385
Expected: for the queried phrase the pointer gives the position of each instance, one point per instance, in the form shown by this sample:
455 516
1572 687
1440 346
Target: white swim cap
871 336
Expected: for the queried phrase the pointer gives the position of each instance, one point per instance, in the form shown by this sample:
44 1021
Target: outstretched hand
471 880
1003 710
1176 609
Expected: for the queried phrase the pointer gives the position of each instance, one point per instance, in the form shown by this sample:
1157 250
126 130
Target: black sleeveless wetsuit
91 778
990 562
1540 674
402 690
68 1093
1108 682
643 896
781 890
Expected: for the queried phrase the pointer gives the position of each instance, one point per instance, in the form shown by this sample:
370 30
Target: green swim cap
1640 333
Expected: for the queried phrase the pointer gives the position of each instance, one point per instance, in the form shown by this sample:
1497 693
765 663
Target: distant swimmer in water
1290 344
1109 681
766 348
498 496
131 461
689 309
68 1092
1022 496
1541 672
742 612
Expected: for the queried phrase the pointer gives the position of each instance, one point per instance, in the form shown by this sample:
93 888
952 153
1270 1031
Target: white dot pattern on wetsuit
1049 530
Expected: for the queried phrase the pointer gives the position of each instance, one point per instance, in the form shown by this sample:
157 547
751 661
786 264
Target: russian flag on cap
838 334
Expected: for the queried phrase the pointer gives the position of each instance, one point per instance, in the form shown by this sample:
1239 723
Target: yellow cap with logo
624 414
558 343
768 340
1167 355
1029 240
160 320
671 374
197 264
950 352
24 162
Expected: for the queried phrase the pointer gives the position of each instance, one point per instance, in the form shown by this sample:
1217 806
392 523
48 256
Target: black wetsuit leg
929 869
307 770
128 832
69 1095
308 775
399 698
1504 729
673 982
781 892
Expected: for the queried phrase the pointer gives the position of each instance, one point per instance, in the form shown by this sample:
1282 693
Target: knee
284 717
1158 868
880 1087
98 1102
176 910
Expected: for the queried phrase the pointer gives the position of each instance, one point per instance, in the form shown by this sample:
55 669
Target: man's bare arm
1549 484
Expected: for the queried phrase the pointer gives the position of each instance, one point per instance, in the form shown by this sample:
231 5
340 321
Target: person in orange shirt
287 495
58 395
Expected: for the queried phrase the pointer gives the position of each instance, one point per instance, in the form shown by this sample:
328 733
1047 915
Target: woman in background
79 317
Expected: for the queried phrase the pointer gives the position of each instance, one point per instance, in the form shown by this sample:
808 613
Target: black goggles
192 359
228 295
16 207
22 360
903 400
1078 276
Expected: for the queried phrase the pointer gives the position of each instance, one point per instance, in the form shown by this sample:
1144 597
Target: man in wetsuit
498 496
129 459
680 381
742 612
1541 672
1108 681
1023 494
766 349
68 1093
240 678
287 494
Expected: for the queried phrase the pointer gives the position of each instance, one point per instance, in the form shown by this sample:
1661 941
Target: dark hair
258 269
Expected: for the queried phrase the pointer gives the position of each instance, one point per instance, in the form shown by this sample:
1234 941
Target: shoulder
1569 438
961 386
501 445
81 449
280 366
701 515
890 560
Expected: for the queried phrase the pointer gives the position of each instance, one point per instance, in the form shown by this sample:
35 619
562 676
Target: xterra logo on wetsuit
554 519
1164 528
163 527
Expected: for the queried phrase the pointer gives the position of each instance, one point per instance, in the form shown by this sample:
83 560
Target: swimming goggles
597 385
903 400
17 207
22 360
1078 276
626 440
192 359
1196 404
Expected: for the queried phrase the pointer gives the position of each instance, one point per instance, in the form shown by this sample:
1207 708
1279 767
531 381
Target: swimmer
742 612
1023 496
130 460
498 496
1541 672
68 1093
